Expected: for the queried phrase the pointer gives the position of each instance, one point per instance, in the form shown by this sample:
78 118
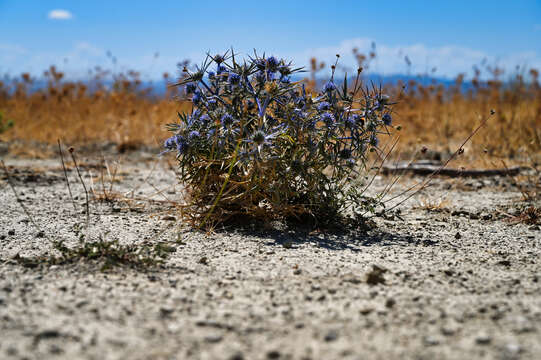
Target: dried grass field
430 114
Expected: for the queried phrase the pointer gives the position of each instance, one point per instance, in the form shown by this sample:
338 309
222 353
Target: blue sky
448 35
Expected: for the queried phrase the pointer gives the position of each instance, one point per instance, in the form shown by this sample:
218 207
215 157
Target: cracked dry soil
454 282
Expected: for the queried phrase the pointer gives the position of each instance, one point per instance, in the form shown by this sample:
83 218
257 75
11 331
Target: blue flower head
374 141
329 87
300 101
358 119
212 104
323 106
328 119
170 143
260 77
234 79
227 120
350 122
272 64
182 144
270 76
220 69
284 70
194 135
387 119
197 97
285 80
212 75
379 106
299 113
259 137
205 119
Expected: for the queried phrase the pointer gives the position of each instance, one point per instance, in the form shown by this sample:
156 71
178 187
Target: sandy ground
456 282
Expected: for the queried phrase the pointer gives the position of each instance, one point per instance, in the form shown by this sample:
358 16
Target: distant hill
158 87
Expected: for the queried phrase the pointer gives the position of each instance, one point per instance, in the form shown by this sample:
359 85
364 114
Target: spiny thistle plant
258 144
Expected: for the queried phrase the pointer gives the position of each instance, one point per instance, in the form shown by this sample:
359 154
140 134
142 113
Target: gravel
450 281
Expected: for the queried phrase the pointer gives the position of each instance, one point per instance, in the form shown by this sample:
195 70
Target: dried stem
427 181
71 151
66 174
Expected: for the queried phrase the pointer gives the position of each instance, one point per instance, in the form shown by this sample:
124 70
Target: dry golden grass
125 115
432 116
441 118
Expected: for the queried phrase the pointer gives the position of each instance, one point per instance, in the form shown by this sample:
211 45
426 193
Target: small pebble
237 356
55 349
81 303
11 351
214 338
332 335
273 354
166 312
449 272
431 341
483 339
448 330
511 350
486 216
366 311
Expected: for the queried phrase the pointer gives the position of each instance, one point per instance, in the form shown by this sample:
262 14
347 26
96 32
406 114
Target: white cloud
75 61
59 14
449 60
10 56
84 48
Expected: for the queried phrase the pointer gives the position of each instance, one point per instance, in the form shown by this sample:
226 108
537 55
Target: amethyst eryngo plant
257 143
